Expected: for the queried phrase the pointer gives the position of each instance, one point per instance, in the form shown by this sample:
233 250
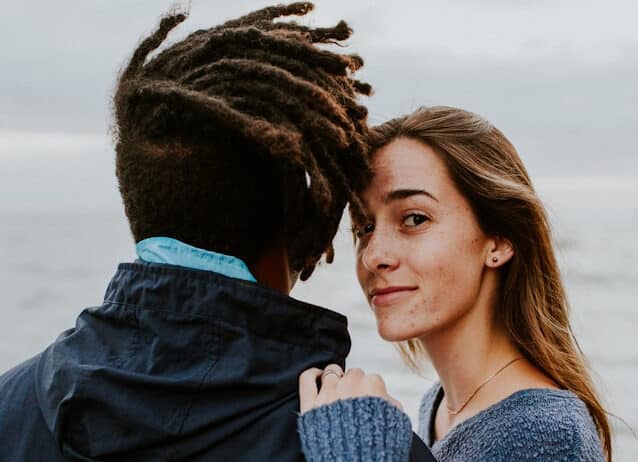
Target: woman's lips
390 295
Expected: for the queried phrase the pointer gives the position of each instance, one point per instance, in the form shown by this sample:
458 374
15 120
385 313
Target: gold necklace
453 412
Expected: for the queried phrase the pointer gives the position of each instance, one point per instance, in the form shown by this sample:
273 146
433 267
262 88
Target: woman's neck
469 351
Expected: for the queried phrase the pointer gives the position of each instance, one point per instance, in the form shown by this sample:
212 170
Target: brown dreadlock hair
243 136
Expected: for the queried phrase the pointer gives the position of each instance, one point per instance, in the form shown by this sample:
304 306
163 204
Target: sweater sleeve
358 429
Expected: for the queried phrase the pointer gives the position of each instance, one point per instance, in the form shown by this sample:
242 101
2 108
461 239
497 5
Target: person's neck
273 270
468 351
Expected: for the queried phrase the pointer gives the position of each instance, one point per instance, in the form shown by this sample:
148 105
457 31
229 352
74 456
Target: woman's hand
335 385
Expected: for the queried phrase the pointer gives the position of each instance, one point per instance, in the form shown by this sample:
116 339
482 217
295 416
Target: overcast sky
559 80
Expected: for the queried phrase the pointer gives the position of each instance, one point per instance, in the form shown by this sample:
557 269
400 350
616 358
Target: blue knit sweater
355 430
530 425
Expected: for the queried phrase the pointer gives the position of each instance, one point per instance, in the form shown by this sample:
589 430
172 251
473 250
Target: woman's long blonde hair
533 306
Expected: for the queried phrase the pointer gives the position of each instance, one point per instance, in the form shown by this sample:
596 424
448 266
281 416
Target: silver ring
330 371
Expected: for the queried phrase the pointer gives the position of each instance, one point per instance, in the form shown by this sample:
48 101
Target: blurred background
559 78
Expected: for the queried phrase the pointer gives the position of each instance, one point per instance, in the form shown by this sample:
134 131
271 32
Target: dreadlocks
243 136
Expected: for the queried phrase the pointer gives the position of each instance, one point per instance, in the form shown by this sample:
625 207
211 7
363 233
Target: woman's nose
377 254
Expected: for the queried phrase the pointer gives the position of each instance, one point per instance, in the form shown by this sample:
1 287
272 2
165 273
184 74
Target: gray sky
559 80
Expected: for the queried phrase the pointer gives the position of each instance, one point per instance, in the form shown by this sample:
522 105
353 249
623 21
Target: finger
329 379
335 368
352 384
355 372
376 382
357 383
332 373
353 378
308 389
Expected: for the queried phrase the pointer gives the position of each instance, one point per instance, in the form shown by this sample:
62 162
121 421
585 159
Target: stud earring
494 259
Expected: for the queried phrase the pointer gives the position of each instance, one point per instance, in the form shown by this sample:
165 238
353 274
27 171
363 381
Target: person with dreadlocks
237 150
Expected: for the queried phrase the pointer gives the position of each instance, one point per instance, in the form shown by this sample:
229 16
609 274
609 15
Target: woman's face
421 258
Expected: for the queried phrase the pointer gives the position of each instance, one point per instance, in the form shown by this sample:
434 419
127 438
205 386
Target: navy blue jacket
177 364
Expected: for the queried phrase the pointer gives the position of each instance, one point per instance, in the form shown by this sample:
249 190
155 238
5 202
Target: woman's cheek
428 259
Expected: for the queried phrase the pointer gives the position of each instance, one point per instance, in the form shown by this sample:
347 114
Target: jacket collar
170 251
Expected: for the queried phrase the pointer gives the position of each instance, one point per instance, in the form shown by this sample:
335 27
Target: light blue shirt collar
173 252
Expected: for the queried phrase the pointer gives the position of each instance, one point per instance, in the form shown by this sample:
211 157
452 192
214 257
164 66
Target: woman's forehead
407 164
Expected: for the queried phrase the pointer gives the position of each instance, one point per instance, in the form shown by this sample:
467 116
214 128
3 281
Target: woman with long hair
455 258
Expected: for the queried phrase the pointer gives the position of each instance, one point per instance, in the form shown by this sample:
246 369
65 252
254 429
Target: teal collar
173 252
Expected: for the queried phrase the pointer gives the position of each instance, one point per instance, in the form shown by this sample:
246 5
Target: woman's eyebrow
399 194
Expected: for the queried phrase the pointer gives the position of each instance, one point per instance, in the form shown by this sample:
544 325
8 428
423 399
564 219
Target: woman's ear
500 252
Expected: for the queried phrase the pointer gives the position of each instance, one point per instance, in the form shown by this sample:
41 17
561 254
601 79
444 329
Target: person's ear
500 252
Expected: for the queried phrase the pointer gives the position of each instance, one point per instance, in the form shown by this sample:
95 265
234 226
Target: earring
494 259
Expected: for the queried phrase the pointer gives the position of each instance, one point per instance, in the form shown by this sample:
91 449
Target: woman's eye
361 231
414 219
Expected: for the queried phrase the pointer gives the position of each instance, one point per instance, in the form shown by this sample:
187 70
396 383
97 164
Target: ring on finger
327 372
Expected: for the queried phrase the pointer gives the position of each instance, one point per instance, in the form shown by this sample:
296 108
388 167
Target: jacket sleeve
358 429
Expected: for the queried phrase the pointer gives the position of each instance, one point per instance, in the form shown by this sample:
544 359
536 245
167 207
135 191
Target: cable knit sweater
355 430
530 425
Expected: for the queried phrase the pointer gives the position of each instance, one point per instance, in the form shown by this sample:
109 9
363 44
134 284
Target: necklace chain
453 412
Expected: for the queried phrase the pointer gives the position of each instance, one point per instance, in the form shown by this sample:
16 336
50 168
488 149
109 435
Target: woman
456 261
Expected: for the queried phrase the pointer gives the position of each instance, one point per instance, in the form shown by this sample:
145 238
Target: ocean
53 264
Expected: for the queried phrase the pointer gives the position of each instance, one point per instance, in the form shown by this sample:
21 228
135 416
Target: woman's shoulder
545 406
539 423
531 424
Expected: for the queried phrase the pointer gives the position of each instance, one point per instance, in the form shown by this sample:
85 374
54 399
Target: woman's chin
396 333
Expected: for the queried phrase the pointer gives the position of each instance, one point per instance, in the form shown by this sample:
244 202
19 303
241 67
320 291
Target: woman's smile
386 296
